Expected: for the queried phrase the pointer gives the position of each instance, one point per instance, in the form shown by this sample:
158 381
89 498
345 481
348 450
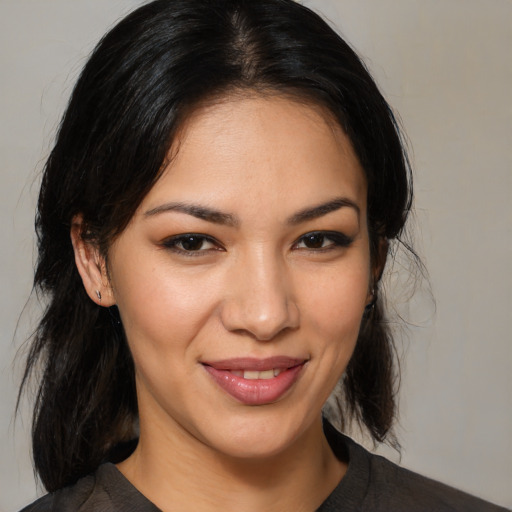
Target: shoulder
373 483
106 490
402 488
68 498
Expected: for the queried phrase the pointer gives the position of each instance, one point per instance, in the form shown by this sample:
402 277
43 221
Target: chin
262 432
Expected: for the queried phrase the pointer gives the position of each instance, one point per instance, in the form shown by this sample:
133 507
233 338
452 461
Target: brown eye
323 240
191 243
314 240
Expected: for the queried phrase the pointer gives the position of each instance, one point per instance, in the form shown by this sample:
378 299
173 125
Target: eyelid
171 243
338 238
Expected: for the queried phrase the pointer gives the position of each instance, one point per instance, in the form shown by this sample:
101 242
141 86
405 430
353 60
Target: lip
255 364
255 391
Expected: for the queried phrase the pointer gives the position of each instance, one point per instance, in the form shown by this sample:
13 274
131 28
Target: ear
380 259
378 264
91 266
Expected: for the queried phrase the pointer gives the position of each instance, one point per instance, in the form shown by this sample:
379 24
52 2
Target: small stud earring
371 304
98 294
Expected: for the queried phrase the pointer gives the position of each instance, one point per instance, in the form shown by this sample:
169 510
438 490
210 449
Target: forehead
260 149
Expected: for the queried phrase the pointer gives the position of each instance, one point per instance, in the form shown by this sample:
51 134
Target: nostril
260 327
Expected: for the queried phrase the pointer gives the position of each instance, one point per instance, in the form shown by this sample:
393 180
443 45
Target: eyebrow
217 217
323 209
200 212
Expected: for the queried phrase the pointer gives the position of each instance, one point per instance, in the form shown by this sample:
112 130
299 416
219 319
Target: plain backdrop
445 66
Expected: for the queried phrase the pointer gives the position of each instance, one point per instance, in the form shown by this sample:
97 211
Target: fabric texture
371 484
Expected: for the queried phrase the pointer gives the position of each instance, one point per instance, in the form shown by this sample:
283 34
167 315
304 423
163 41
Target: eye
323 240
191 243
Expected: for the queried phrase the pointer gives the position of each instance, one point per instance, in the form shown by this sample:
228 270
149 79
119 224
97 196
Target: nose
259 299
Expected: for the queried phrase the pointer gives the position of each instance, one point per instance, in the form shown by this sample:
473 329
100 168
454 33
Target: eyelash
173 244
337 240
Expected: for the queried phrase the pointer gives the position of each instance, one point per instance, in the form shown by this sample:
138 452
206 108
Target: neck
170 467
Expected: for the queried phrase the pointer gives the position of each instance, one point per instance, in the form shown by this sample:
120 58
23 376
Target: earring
98 294
369 307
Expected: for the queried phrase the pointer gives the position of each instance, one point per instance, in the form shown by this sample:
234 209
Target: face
242 278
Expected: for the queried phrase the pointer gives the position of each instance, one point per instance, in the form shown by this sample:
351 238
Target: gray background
445 65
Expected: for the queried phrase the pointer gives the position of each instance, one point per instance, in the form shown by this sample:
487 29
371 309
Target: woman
213 223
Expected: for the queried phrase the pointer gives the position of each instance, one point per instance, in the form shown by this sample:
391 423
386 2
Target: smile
256 381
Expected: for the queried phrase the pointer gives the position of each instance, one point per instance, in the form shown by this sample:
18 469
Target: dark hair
140 83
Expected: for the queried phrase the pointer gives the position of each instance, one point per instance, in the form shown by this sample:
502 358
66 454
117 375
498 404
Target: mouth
256 381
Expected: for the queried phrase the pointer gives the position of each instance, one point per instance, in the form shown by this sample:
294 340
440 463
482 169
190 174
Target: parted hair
140 83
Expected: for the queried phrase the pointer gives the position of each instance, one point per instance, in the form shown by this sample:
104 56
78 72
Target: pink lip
254 364
255 391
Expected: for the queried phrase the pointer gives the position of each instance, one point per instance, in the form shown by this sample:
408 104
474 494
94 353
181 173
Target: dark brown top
371 484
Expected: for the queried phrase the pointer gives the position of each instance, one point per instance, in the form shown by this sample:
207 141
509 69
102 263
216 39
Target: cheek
162 310
333 307
161 318
337 299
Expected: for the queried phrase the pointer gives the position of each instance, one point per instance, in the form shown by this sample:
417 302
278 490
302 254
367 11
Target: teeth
267 374
253 375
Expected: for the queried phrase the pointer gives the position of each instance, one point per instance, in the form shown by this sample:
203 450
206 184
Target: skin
254 288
